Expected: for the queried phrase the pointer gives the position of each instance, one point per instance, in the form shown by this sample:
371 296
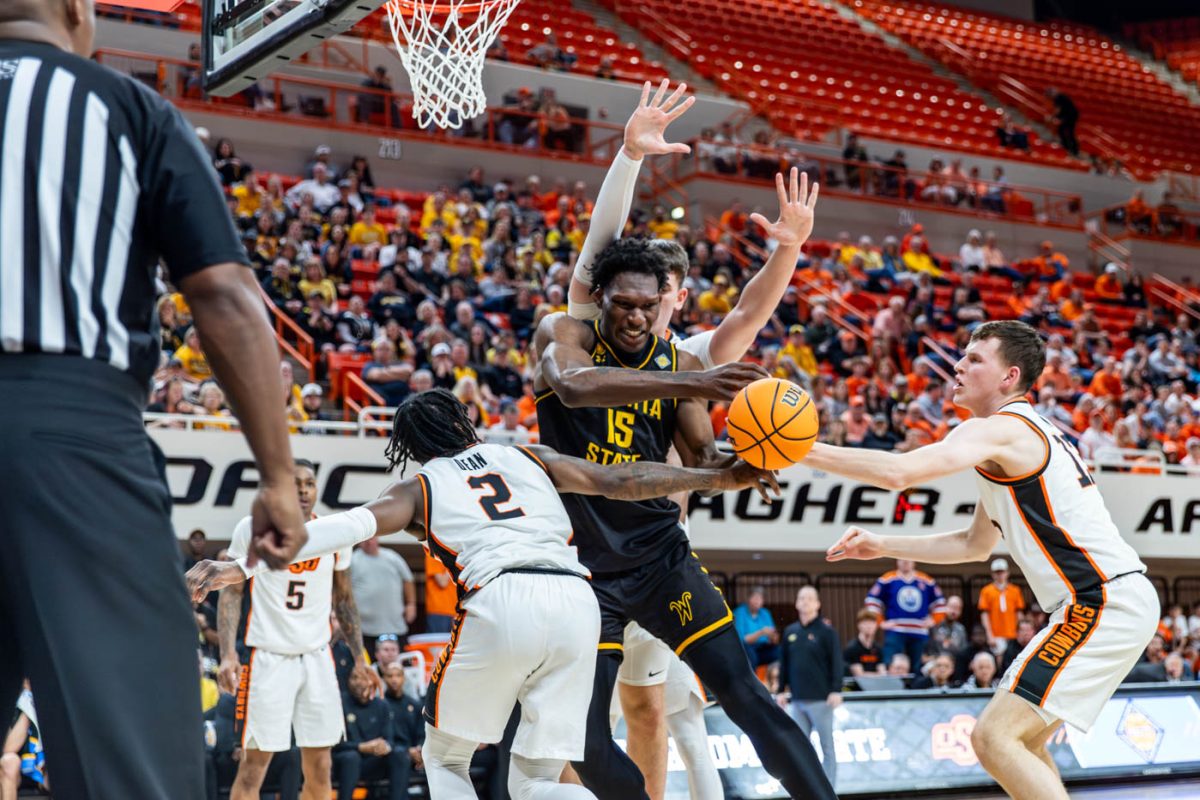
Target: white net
442 44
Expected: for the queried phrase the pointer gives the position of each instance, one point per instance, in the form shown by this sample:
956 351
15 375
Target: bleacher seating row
1155 127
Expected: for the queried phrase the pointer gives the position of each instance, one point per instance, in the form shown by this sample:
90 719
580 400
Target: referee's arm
195 234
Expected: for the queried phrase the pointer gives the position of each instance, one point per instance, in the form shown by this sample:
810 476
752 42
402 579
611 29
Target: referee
99 177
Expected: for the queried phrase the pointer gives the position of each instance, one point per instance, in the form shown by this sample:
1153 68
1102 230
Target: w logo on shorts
683 607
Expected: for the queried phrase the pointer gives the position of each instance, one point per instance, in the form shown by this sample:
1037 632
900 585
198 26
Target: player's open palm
277 531
857 544
797 210
645 133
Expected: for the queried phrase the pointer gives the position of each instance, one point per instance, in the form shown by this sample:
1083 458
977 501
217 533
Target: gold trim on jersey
651 346
707 629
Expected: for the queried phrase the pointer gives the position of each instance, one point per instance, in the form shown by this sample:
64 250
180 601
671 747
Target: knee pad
443 750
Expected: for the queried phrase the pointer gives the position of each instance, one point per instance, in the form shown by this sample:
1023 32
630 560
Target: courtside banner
213 479
919 741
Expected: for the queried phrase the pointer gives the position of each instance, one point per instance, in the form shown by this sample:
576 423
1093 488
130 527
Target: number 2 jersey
1054 521
493 508
617 535
289 608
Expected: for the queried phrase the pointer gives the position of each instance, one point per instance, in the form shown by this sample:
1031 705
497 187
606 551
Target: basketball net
442 44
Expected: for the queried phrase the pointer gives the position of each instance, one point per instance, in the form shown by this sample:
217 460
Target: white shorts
280 694
649 662
1072 667
523 637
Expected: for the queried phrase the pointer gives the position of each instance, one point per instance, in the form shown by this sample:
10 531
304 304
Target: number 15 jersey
1054 520
493 508
289 608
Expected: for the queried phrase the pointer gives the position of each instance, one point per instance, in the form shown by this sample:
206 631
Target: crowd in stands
1162 221
461 281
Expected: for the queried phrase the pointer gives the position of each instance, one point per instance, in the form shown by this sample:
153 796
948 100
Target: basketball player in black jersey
641 562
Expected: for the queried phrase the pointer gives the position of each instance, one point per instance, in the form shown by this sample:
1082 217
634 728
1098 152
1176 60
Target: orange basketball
772 423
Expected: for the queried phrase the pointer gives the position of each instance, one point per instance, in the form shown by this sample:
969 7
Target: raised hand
645 131
797 210
856 543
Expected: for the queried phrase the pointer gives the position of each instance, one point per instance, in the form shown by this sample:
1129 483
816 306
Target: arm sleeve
608 220
187 215
337 533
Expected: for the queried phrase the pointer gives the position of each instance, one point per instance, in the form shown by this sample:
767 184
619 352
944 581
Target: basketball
772 423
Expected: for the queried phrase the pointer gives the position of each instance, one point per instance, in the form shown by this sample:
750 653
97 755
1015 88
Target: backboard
244 40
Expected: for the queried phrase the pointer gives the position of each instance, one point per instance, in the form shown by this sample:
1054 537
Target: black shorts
670 597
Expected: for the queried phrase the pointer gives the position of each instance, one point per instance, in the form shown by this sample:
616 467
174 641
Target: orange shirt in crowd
1108 287
1001 606
917 383
717 416
439 599
1070 310
733 220
856 385
1059 378
1106 384
1016 305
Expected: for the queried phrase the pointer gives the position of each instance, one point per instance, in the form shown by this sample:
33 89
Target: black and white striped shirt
99 177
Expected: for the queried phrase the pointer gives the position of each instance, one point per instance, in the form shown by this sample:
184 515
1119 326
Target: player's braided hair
429 425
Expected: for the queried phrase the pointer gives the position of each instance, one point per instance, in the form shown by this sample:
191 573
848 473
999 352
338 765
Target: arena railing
304 350
874 181
360 109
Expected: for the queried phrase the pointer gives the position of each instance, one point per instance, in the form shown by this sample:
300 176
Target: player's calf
1006 740
252 771
317 765
646 733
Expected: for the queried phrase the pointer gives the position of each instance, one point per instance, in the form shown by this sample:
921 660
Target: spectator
856 158
1066 116
909 602
899 666
810 674
1192 460
354 327
1156 650
548 55
319 187
1095 438
949 634
384 591
605 69
386 651
197 549
983 672
1012 136
367 752
1000 604
385 374
1025 633
212 404
509 429
229 167
864 656
441 596
973 255
1170 218
856 420
191 357
757 628
941 674
408 725
318 322
1176 669
880 435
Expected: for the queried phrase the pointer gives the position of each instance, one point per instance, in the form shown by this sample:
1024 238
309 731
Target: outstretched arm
644 480
973 543
644 135
565 366
797 206
974 442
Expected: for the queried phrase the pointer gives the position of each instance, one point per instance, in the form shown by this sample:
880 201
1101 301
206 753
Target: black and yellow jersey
617 535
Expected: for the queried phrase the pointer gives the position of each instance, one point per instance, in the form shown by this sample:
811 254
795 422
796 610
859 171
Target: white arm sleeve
327 535
608 220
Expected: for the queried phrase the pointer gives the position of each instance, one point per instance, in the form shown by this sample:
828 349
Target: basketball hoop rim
437 7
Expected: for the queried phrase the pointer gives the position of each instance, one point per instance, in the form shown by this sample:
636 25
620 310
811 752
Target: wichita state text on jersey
616 535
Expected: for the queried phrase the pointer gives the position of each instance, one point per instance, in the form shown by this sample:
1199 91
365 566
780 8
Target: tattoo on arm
229 615
648 479
347 613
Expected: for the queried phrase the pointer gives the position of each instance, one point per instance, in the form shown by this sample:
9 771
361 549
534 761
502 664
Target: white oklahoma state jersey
1054 521
289 608
492 508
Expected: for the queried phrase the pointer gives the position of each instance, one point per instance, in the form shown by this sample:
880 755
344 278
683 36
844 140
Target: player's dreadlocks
428 425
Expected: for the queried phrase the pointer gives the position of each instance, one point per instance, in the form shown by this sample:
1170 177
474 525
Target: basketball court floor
1188 789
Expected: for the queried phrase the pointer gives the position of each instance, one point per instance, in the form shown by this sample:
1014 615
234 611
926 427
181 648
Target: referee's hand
276 529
